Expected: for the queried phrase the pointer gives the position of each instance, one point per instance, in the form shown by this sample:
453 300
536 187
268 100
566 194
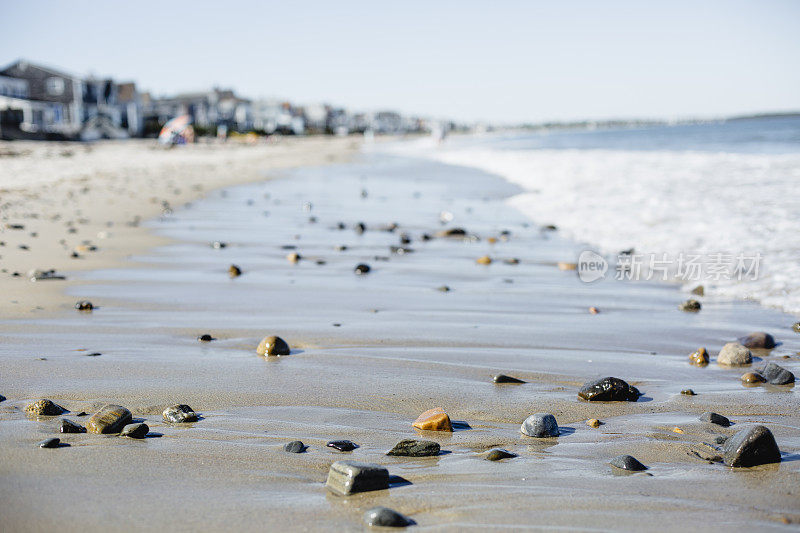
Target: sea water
720 194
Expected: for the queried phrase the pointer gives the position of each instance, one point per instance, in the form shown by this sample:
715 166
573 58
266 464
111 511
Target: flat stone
135 431
699 357
342 445
776 374
272 345
415 448
295 446
609 390
540 425
50 443
757 339
690 306
751 446
433 420
734 354
44 407
68 426
349 477
498 454
179 414
206 338
627 462
110 419
385 517
502 378
715 418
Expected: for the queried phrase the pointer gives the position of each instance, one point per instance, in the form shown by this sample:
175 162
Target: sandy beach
426 327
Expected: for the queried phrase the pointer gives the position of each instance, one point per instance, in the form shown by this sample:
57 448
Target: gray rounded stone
734 354
135 431
628 462
295 446
385 517
540 425
498 454
776 374
758 339
178 414
751 446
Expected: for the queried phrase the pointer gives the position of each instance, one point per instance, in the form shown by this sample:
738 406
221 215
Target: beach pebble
511 261
594 311
627 462
295 446
699 291
715 418
758 339
135 431
293 257
205 337
234 271
484 260
179 414
42 275
272 345
84 305
433 420
385 517
608 390
50 443
753 377
734 354
349 477
2 398
342 445
502 378
498 454
452 232
68 426
109 419
776 374
699 357
796 327
443 288
688 392
562 265
751 446
361 269
690 306
415 448
540 425
593 423
44 407
360 228
218 245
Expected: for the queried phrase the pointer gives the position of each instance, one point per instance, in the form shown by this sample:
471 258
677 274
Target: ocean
712 204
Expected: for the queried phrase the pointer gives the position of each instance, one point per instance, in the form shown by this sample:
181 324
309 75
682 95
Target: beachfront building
208 110
277 116
39 102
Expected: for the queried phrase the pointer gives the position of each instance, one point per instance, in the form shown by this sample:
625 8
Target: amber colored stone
272 345
594 310
109 419
753 377
699 358
593 423
567 266
433 420
485 260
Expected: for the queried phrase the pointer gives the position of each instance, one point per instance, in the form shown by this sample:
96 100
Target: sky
503 62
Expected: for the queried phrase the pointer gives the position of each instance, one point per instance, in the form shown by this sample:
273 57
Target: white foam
662 202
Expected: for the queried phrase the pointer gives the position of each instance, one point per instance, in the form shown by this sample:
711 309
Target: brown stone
109 419
753 377
594 310
593 423
433 420
234 271
272 345
699 358
44 407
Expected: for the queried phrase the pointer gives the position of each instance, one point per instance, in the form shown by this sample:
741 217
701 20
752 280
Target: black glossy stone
342 445
715 418
609 390
751 446
135 431
84 305
295 446
362 269
206 338
68 426
50 443
627 462
502 378
498 454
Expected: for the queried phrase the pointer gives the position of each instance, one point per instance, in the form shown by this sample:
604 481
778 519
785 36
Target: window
54 86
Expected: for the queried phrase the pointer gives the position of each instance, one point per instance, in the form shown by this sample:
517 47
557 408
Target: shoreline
80 195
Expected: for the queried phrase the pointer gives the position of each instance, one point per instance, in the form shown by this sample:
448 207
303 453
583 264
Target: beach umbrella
177 131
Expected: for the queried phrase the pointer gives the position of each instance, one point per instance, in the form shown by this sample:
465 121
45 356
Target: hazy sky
500 61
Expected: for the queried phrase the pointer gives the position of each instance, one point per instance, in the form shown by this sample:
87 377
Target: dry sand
369 354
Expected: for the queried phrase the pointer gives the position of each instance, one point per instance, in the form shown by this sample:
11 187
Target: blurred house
41 103
276 116
207 109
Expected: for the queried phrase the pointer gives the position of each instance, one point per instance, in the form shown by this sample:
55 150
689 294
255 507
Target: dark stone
690 306
405 238
178 414
720 439
84 305
540 425
2 398
796 327
758 339
627 462
135 431
44 407
295 446
342 445
609 390
362 269
385 517
400 250
360 228
751 446
234 271
498 454
452 232
415 448
443 288
502 378
82 413
50 443
68 426
218 245
43 275
348 477
688 392
273 345
715 418
109 419
776 374
206 338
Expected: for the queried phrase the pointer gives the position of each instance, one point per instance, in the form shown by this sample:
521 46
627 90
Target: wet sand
369 354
